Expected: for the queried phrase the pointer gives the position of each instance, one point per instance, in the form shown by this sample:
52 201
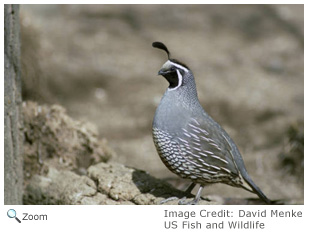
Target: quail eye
172 69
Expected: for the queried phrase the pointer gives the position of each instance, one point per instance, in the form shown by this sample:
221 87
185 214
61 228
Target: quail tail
255 188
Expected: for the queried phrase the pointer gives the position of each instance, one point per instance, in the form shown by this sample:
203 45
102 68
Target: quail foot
189 142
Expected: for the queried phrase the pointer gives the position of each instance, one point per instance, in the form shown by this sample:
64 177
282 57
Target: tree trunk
13 140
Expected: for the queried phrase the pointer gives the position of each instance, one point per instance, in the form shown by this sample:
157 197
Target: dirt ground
97 61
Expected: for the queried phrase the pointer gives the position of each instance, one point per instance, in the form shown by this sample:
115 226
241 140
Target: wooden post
13 138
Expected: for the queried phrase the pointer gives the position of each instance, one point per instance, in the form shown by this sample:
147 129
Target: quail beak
162 72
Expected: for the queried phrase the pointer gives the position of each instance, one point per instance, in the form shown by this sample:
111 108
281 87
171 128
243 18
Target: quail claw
168 199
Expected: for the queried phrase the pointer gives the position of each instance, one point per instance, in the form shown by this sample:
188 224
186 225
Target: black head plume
161 46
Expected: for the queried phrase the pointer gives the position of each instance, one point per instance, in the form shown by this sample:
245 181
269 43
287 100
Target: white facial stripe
179 66
179 81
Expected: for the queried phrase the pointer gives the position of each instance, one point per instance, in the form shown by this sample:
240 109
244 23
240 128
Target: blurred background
97 61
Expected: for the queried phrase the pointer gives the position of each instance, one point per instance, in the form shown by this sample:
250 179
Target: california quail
189 142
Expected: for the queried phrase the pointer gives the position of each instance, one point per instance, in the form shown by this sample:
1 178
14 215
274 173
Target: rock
59 187
54 139
105 184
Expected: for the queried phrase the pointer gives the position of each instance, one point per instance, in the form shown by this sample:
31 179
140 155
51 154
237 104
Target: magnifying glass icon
12 214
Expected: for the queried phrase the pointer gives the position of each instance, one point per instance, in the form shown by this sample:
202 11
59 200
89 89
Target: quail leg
195 200
187 192
189 189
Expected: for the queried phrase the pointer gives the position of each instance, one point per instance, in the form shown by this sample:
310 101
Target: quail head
189 142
